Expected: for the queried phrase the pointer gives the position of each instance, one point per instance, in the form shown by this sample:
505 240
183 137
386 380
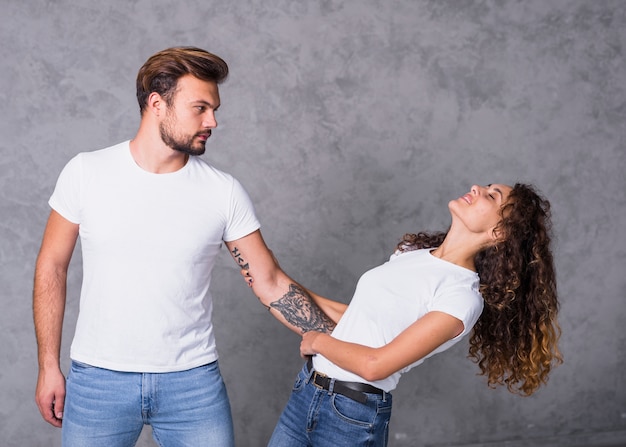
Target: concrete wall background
350 123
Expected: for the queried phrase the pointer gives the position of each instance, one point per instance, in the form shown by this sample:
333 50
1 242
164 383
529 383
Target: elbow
266 295
265 301
374 370
375 376
262 298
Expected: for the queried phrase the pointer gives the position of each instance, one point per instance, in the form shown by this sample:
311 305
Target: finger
47 412
59 406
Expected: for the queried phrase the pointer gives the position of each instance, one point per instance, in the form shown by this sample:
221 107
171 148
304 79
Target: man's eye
492 196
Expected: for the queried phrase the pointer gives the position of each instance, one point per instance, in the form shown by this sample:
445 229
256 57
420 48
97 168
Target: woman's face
479 209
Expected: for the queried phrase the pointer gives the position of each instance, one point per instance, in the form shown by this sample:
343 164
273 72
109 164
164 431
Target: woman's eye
492 196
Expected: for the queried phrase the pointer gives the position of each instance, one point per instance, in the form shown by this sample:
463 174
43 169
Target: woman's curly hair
514 342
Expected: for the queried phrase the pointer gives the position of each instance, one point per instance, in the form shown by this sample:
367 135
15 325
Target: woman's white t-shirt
391 297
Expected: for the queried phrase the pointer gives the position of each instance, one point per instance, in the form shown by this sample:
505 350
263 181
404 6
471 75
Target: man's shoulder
116 149
96 159
204 168
99 156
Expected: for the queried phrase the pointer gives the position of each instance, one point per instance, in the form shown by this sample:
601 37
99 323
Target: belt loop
384 396
311 372
331 386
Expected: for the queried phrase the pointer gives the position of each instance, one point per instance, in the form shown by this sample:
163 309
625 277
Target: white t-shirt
149 243
391 297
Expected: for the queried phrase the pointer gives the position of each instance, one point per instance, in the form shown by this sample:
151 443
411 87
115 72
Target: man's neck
152 155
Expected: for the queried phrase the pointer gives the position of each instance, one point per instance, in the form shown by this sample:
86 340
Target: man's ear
156 104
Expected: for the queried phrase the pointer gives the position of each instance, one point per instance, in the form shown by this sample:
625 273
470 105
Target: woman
490 274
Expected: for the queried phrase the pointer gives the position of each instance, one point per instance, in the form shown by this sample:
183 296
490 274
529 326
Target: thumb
59 405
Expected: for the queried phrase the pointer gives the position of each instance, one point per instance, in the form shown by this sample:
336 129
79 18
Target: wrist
318 342
49 363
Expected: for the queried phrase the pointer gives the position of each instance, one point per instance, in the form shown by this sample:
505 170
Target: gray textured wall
350 123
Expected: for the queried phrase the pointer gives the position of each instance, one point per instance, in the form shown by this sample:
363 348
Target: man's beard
184 145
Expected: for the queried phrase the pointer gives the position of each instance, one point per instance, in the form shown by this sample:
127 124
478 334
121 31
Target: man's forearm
290 303
48 310
298 309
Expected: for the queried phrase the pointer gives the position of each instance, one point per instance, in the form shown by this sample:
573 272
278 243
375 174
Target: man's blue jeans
315 417
106 408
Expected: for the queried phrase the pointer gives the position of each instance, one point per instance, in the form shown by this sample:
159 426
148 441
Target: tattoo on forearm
300 310
296 306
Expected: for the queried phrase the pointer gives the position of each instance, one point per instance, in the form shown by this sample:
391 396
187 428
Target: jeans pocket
299 383
80 365
352 411
78 369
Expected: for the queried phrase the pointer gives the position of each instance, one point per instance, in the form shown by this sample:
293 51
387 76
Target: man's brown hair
161 72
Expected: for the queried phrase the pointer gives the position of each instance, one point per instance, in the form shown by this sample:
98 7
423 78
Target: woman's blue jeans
106 408
314 417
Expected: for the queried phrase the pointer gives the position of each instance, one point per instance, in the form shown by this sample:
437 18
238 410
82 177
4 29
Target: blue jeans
314 417
105 408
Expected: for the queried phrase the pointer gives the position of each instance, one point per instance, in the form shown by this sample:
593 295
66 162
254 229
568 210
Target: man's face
188 121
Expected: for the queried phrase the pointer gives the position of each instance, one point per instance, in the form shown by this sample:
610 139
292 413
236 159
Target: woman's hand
306 345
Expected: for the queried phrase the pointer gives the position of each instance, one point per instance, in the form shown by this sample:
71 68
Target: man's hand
50 395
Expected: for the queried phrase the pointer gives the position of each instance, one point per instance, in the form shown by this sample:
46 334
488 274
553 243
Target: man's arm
333 309
287 300
49 294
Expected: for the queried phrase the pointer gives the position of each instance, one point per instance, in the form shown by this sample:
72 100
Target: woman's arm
412 344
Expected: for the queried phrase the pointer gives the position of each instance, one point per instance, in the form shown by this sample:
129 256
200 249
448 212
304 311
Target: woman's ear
497 234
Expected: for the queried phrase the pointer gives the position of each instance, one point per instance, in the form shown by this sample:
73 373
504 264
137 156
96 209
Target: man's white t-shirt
149 243
391 297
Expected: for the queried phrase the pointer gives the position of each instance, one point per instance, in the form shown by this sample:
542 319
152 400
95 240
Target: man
151 216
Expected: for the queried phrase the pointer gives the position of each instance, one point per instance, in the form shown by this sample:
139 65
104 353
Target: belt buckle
320 375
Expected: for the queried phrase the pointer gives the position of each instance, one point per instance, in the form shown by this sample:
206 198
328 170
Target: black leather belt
354 390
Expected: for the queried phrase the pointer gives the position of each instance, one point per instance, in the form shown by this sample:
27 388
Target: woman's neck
459 251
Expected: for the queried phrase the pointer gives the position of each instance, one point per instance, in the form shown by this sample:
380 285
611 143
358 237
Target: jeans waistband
354 390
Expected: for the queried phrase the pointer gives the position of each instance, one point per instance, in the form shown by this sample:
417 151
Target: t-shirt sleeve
463 303
65 199
242 220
